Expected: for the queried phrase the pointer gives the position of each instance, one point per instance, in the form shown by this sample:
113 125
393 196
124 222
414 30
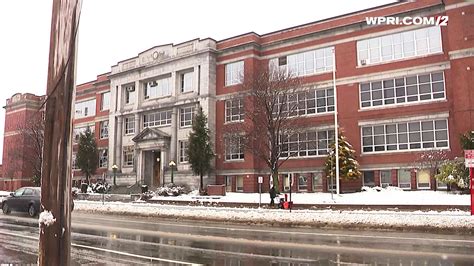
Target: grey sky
113 30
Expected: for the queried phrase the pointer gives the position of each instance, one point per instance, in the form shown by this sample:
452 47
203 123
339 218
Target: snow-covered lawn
372 197
386 219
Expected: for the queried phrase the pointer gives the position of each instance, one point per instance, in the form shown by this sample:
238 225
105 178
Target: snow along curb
450 221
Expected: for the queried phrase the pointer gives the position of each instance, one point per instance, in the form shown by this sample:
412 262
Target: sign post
469 162
260 182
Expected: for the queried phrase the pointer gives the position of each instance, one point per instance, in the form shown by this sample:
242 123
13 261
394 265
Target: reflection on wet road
132 240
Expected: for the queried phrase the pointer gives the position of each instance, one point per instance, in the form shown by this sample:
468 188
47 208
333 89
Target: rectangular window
286 181
306 103
399 46
186 116
234 110
84 109
309 143
305 63
385 178
405 136
239 184
317 181
104 129
186 81
404 178
128 156
183 151
234 149
74 166
129 92
423 178
303 182
157 88
103 158
105 104
129 125
81 130
369 178
417 88
234 73
157 119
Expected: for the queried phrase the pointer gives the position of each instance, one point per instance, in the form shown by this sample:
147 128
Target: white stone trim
403 119
458 54
458 5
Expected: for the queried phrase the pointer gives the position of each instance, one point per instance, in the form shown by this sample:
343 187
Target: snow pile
392 219
46 218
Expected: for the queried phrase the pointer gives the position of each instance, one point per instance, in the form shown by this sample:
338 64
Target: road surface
106 239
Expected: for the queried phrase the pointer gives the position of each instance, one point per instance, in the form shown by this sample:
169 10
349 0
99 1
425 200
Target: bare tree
32 134
270 118
432 160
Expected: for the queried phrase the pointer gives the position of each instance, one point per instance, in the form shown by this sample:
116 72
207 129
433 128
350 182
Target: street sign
469 158
260 179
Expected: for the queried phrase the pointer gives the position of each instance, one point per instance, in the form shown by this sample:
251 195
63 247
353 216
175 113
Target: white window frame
234 73
237 179
160 87
183 149
397 91
395 46
157 119
78 130
385 184
404 136
102 163
128 154
104 129
233 148
186 80
423 171
129 125
305 63
105 101
305 187
310 143
234 110
372 184
73 163
129 94
309 102
186 116
84 109
404 185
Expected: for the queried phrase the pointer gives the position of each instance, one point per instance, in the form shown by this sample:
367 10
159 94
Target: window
157 88
128 156
228 183
405 136
183 151
74 166
369 178
309 143
84 109
129 125
104 129
305 63
239 184
423 178
318 181
306 103
19 192
81 130
130 94
302 182
234 73
234 110
103 158
399 45
385 178
234 148
404 179
157 119
105 104
441 185
186 81
417 88
186 116
286 181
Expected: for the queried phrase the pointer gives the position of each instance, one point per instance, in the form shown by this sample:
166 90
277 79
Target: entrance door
157 168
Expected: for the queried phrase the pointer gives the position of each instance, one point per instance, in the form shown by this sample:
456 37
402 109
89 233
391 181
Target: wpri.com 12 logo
407 21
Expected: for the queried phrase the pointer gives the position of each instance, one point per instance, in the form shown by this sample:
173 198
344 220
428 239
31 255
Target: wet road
105 239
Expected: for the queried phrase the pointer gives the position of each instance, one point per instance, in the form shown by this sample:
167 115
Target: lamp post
331 153
114 169
172 164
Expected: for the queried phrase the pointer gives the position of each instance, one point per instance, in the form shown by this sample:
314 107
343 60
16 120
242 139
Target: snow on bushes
172 190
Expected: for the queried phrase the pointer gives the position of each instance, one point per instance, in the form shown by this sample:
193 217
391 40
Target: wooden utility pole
54 245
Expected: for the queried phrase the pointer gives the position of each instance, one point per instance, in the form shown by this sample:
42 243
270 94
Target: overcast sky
114 30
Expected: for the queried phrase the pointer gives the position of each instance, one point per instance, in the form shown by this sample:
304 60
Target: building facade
401 91
154 98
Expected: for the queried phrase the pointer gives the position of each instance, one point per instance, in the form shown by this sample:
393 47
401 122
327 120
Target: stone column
136 152
118 142
174 133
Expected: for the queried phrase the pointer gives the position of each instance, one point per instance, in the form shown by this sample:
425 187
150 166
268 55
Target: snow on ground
431 219
392 196
4 193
